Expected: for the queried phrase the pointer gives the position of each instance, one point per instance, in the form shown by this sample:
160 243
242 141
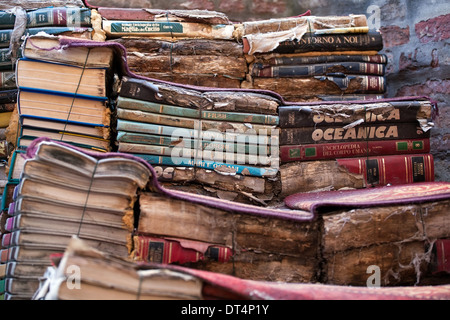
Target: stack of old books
124 280
310 58
195 47
226 141
355 144
63 192
63 93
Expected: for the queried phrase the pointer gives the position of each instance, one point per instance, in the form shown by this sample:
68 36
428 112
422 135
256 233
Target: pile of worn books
264 183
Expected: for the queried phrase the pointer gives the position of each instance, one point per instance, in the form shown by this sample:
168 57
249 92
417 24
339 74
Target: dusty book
205 99
212 65
51 16
33 4
363 132
64 107
298 89
286 71
77 127
246 147
356 173
175 152
266 35
397 110
351 247
95 142
167 29
182 47
371 41
49 48
242 242
324 151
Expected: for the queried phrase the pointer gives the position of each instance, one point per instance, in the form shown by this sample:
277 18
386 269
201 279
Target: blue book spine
208 135
210 165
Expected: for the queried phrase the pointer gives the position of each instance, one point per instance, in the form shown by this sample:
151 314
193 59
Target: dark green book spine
319 69
50 16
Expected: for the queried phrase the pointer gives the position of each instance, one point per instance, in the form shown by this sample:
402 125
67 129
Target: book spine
5 59
7 254
441 253
394 170
50 16
210 155
151 107
191 123
4 154
319 69
168 29
281 61
158 250
7 107
7 80
9 239
366 132
224 168
371 41
210 135
140 138
383 112
325 151
61 16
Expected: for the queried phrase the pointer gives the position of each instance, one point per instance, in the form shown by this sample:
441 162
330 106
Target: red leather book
393 170
167 251
324 151
441 254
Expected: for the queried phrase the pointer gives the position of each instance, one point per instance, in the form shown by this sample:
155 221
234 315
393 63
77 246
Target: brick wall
416 35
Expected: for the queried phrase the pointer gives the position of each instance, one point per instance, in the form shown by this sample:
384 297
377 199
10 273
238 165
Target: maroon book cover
324 151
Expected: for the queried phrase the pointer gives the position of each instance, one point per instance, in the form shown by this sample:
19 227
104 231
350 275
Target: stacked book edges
63 94
114 203
63 192
304 58
130 281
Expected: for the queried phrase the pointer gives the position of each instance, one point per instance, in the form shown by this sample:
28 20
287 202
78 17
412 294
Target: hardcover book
355 173
156 281
390 110
51 16
326 151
